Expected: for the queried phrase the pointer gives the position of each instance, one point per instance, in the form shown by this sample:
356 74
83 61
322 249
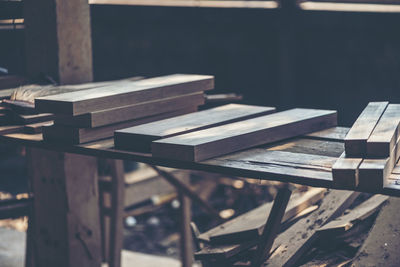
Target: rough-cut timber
76 103
356 139
139 138
345 172
131 112
385 134
232 137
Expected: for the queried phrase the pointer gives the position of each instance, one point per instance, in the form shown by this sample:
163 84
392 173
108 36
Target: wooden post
185 231
66 229
58 40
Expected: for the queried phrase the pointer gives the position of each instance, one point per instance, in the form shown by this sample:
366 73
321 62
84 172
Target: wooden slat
35 118
36 128
385 134
356 139
71 135
345 172
139 138
232 137
76 103
131 112
331 134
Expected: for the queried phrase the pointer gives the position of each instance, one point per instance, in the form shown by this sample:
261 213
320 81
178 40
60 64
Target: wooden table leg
66 212
185 231
272 226
117 211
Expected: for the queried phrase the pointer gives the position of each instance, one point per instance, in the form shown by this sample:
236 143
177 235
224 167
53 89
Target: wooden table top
306 160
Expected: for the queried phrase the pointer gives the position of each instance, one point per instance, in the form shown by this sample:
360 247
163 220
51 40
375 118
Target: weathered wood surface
292 243
381 248
236 136
357 214
70 135
356 139
250 225
331 134
76 103
345 172
384 136
139 138
67 231
131 112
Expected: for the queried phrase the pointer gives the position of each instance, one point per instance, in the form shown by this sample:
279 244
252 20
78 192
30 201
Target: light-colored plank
131 112
385 134
356 139
216 141
139 138
76 103
345 172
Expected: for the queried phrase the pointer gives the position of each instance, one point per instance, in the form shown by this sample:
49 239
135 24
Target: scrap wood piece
384 136
131 112
76 103
359 213
70 135
345 172
356 139
381 248
249 225
292 243
216 141
139 138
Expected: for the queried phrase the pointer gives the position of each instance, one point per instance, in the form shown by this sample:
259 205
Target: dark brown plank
131 112
232 137
35 118
356 139
76 103
345 172
385 134
139 138
11 129
36 128
70 135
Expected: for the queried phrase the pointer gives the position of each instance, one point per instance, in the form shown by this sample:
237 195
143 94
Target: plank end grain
345 172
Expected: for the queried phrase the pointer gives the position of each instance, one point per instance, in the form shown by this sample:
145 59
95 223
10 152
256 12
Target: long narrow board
374 173
216 141
356 139
69 135
385 134
131 112
81 102
345 172
139 138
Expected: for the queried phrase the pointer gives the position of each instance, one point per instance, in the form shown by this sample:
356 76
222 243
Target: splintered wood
371 149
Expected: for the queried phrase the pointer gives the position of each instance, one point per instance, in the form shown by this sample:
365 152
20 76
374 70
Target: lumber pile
371 149
92 114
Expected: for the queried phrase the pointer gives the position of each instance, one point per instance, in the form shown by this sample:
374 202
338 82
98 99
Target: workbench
64 180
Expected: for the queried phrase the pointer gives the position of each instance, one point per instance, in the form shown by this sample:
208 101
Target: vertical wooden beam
117 211
185 231
66 212
58 40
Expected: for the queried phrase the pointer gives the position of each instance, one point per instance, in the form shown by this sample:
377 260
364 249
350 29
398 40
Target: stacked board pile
94 114
371 149
210 133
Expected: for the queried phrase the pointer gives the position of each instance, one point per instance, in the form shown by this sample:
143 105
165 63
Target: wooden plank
356 139
374 173
331 134
250 225
11 129
385 134
381 246
208 143
131 112
76 103
139 138
359 213
36 128
292 243
67 231
345 172
30 119
71 135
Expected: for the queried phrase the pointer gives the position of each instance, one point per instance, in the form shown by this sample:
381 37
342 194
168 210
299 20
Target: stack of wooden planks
371 149
92 114
221 130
